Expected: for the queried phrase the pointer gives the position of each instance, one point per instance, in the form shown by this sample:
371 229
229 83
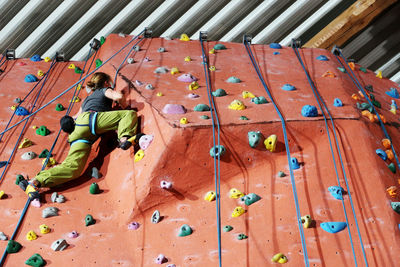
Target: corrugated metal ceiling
47 26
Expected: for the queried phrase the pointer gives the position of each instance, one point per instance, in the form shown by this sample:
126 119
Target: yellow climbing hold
379 74
184 37
75 100
50 163
212 51
210 196
237 212
71 66
34 127
270 142
386 143
183 121
25 143
13 107
306 221
44 229
212 68
47 59
236 105
392 191
139 155
79 87
40 73
31 235
188 58
234 193
247 94
279 258
174 70
159 94
193 86
355 97
1 194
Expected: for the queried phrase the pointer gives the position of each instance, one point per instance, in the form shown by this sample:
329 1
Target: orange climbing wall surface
180 154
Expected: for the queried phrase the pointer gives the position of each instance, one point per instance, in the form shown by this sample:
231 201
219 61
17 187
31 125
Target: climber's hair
98 80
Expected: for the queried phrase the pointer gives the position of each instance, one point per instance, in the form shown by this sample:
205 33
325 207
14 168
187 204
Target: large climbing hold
270 142
21 111
254 138
36 58
381 154
275 45
395 206
306 221
13 246
185 230
309 111
279 258
233 79
187 78
393 93
145 141
236 105
219 92
247 94
35 260
28 155
59 245
49 212
288 87
210 196
235 193
294 163
250 199
42 130
259 100
184 37
333 227
217 151
173 109
201 107
336 192
25 143
238 211
31 235
89 220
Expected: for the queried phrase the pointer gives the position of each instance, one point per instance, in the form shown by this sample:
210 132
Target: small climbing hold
201 107
31 235
136 48
212 51
159 94
17 100
243 118
59 107
259 100
146 59
28 155
34 127
389 154
44 229
355 97
55 197
392 167
280 258
145 141
381 154
133 226
165 185
363 69
44 153
341 69
19 178
336 192
94 189
47 59
392 191
204 117
36 203
3 163
76 99
333 227
95 173
393 107
174 70
139 155
30 78
185 230
25 143
183 120
275 46
188 58
73 234
241 236
281 174
3 236
270 142
155 217
306 221
329 74
50 162
276 53
250 198
217 151
161 259
237 212
309 111
161 50
78 70
236 105
13 246
130 60
247 94
194 86
219 47
210 196
212 68
71 66
227 228
173 109
59 245
288 87
379 74
294 163
322 58
49 212
337 102
36 58
2 194
386 143
42 130
98 63
89 220
35 260
21 111
184 37
102 40
187 78
254 138
235 193
233 79
352 65
40 73
395 206
393 93
138 83
149 86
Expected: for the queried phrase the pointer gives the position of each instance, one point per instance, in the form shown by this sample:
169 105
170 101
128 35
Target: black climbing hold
13 246
10 54
148 32
369 87
95 44
3 163
60 56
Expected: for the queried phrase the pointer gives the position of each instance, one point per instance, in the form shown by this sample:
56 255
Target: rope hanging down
295 46
246 42
215 122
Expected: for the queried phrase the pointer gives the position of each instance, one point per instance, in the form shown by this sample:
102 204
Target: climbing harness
216 156
247 42
295 46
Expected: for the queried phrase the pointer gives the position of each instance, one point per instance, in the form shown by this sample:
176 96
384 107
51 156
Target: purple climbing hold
174 109
30 78
161 259
191 95
21 111
73 234
146 59
133 226
275 46
36 58
187 78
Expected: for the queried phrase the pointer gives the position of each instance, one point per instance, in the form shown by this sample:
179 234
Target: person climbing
94 118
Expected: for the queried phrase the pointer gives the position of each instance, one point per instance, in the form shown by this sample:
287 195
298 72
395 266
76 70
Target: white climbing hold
161 70
49 212
165 185
28 155
130 60
149 86
55 197
3 236
59 245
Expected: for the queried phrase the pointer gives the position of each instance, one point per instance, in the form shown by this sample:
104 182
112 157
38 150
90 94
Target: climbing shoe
130 141
30 189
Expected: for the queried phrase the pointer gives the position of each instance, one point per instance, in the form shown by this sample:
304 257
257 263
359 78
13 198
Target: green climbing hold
35 260
219 92
227 228
376 103
204 117
241 236
342 69
250 199
98 63
78 70
13 246
363 70
233 79
185 230
102 40
44 153
281 174
89 220
243 118
396 206
364 106
94 189
219 47
59 107
19 179
201 107
259 100
42 130
392 167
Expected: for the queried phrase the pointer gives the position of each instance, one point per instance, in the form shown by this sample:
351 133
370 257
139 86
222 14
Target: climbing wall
132 187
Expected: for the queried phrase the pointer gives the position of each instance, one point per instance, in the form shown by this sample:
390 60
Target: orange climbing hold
352 65
368 115
329 74
355 97
386 143
390 154
392 191
381 116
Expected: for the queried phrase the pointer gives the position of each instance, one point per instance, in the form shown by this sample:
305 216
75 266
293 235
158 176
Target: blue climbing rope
319 101
72 86
215 122
296 201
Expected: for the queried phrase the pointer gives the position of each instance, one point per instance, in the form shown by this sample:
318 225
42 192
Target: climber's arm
114 95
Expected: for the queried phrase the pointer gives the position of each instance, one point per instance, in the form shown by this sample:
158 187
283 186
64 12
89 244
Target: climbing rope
215 122
319 101
246 40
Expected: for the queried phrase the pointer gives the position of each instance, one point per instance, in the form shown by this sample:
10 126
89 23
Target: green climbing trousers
124 121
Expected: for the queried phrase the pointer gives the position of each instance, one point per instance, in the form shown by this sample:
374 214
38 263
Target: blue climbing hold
309 111
322 58
276 53
275 46
233 79
333 227
30 78
36 58
381 154
21 111
259 100
288 87
336 192
254 138
337 102
219 92
294 163
3 163
219 47
393 93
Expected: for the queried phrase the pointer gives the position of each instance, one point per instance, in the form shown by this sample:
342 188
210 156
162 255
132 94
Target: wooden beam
347 24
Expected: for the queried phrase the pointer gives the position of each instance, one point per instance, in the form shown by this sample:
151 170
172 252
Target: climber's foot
126 142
